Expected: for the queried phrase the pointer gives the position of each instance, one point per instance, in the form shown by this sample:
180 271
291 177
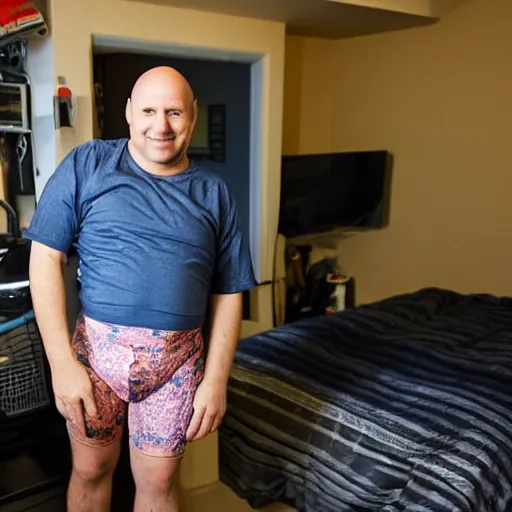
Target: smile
167 139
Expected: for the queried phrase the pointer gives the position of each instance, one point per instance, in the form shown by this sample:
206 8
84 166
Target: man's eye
175 113
147 111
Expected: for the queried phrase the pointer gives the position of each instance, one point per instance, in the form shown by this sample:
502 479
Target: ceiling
315 18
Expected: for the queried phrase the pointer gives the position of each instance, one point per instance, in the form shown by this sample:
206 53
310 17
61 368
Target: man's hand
73 391
209 409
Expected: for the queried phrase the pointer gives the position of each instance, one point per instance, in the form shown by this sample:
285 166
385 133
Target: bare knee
93 473
154 475
94 465
156 482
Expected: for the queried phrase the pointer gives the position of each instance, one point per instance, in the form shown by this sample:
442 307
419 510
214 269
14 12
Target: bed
400 405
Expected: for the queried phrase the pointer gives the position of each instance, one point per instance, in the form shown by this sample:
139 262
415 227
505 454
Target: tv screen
337 190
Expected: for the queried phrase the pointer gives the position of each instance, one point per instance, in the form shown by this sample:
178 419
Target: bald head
162 78
161 113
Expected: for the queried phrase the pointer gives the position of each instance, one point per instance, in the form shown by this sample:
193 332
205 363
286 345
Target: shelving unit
13 129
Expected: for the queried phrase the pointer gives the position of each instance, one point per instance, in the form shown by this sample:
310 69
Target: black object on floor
52 496
40 464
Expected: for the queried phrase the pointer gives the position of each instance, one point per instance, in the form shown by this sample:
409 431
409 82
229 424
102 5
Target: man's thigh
107 428
92 462
158 424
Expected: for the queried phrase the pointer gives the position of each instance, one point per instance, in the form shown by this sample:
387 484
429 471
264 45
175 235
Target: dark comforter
405 404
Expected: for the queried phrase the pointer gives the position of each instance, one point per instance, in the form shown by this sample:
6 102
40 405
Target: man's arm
49 297
226 321
71 384
210 398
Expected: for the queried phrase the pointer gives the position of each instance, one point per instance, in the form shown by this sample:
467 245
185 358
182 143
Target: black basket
23 383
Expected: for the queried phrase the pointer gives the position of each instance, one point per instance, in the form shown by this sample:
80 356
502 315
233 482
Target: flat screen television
323 192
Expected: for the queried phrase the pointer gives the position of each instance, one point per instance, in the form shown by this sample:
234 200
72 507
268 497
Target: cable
272 283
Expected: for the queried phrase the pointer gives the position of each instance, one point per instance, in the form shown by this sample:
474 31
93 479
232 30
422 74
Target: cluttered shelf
315 288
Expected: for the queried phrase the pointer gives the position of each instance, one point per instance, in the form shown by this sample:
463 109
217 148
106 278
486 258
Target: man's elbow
43 258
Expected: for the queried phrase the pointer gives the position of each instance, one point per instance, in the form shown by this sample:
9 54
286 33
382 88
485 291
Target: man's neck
171 169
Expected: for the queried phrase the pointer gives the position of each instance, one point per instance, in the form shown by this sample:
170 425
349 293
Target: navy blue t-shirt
150 248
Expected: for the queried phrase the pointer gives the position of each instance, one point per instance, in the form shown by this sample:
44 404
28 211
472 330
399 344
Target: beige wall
309 95
439 99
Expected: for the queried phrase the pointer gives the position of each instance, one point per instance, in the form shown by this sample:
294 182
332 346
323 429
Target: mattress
404 404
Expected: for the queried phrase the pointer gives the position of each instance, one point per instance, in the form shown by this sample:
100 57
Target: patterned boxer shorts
150 374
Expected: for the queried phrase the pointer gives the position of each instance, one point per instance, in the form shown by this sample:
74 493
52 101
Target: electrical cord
272 283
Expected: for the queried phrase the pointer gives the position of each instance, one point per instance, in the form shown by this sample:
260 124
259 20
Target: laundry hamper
23 383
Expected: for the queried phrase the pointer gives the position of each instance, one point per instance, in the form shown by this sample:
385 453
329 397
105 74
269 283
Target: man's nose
163 123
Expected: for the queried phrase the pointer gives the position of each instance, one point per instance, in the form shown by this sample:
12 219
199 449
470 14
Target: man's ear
128 111
195 110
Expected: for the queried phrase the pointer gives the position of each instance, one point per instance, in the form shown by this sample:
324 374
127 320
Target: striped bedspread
401 405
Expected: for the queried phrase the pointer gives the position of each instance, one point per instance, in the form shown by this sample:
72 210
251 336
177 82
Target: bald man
156 235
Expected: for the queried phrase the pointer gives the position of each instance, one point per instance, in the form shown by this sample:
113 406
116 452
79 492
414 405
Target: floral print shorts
151 375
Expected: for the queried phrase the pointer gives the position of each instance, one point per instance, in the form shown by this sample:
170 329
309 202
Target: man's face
161 121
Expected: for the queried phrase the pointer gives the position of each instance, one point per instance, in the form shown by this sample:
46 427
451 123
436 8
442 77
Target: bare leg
158 423
156 482
90 486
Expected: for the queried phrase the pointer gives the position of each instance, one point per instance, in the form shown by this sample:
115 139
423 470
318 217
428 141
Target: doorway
238 99
221 140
